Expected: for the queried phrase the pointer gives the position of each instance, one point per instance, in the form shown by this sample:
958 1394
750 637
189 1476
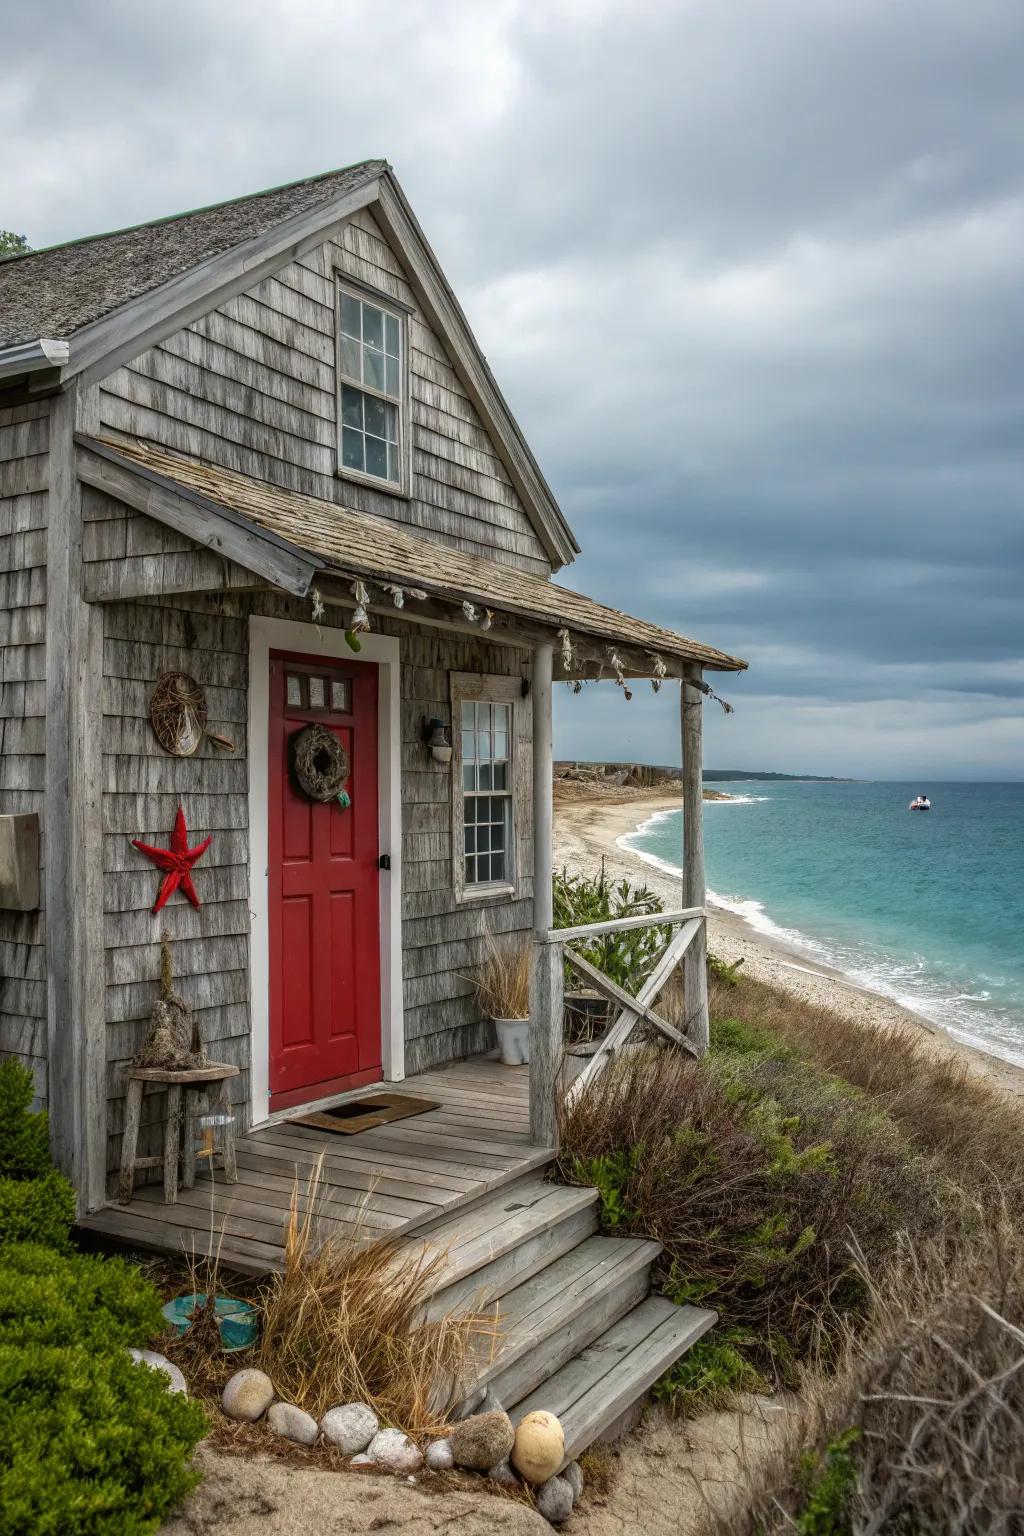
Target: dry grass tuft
502 981
600 1470
343 1322
922 1428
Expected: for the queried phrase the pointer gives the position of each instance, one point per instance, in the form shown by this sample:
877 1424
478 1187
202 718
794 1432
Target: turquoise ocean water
927 908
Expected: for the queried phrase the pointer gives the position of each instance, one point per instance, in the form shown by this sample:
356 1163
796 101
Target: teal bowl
236 1320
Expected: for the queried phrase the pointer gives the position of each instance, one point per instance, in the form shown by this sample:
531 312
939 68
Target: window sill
485 892
386 487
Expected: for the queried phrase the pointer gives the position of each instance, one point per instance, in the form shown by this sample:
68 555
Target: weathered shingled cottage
257 445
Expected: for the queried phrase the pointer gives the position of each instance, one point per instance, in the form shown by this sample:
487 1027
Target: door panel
323 878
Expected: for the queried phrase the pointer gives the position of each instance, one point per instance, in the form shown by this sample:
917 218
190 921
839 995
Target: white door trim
266 635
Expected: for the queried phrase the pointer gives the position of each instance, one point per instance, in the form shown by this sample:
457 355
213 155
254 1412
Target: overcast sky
750 272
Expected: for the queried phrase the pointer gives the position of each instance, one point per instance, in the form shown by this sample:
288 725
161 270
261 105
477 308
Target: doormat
364 1114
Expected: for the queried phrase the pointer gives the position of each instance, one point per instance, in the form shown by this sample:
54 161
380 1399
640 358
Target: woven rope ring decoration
177 713
319 763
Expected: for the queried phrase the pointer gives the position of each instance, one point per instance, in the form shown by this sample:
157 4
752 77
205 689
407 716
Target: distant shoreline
589 828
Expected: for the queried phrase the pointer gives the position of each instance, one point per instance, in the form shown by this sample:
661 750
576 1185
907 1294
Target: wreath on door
320 764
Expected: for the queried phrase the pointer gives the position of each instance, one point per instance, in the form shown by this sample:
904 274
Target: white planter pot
513 1041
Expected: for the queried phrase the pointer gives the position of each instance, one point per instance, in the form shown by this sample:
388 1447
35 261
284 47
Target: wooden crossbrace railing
551 951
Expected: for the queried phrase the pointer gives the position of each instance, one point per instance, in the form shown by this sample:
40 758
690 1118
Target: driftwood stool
194 1083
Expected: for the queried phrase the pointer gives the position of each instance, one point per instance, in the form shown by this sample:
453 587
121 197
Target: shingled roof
55 292
355 544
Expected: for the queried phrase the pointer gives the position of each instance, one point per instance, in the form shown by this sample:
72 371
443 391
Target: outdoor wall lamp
435 734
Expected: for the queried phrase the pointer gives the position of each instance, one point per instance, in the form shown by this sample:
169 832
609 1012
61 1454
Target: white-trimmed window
487 792
489 761
371 354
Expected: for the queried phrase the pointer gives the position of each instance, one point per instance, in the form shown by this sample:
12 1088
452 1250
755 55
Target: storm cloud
749 272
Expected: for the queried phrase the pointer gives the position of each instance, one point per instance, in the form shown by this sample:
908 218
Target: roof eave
295 566
33 356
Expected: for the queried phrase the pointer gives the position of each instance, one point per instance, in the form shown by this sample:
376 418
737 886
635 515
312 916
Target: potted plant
502 984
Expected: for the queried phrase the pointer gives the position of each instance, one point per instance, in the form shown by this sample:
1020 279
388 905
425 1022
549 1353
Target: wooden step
547 1319
593 1389
504 1239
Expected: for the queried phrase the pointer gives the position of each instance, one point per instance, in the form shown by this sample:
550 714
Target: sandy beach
588 824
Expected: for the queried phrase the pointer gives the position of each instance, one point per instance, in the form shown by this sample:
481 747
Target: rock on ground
539 1446
574 1477
393 1450
161 1363
247 1395
554 1499
350 1427
439 1456
244 1497
293 1423
481 1441
503 1474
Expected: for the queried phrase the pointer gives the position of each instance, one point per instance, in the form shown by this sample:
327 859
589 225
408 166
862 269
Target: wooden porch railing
551 950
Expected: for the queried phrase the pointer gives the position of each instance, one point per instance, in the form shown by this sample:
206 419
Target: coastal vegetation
850 1202
89 1440
625 957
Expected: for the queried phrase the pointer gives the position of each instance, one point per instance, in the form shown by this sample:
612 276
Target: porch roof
309 536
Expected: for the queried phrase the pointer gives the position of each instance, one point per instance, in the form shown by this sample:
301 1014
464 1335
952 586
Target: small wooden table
194 1082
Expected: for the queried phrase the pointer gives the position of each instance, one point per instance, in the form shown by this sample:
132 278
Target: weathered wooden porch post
695 976
73 825
546 980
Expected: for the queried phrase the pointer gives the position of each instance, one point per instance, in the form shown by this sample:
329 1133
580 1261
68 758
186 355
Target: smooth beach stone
503 1474
362 1460
293 1423
351 1427
439 1456
480 1442
554 1499
394 1450
161 1363
573 1475
247 1395
539 1447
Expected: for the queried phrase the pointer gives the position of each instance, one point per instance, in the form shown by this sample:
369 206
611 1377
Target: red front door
325 1023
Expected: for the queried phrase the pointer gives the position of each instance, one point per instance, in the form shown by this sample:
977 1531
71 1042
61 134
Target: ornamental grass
344 1321
502 981
945 1109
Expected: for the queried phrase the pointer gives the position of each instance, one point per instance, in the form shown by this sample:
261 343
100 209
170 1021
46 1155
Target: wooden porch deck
384 1181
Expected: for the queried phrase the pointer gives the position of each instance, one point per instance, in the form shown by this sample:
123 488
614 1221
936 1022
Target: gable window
371 389
490 761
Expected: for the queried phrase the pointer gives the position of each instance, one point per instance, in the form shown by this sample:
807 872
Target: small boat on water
922 803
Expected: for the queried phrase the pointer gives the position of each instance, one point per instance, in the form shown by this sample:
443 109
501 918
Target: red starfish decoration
176 862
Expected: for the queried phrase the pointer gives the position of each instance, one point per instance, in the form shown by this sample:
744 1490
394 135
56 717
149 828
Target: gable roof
57 291
82 309
288 538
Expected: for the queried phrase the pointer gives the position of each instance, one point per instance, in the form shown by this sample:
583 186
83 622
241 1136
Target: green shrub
38 1210
56 1299
24 1137
626 958
710 1372
37 1204
90 1443
611 1174
830 1484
